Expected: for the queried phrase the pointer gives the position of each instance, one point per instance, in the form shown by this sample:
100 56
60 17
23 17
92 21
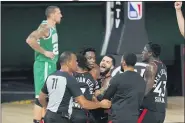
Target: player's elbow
182 32
28 41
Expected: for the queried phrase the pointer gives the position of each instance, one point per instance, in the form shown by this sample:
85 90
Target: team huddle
83 91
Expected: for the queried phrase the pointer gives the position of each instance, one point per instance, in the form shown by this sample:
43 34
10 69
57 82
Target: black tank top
156 99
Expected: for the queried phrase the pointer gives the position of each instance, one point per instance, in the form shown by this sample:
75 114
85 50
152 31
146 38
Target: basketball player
61 87
87 85
154 103
44 41
106 66
180 18
126 92
90 55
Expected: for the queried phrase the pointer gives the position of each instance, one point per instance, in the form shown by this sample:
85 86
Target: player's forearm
35 46
90 105
180 20
43 102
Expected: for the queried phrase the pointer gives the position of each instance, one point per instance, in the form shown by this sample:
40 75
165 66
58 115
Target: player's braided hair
155 49
87 49
82 61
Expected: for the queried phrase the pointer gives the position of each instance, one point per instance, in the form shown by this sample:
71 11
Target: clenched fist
178 5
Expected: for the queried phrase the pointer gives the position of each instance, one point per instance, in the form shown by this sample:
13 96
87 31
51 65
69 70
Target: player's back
139 67
86 83
129 94
156 99
49 44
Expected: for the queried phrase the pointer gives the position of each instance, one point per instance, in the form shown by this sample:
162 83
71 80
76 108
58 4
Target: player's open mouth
102 68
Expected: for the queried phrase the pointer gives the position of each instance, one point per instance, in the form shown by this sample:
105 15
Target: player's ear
150 54
123 63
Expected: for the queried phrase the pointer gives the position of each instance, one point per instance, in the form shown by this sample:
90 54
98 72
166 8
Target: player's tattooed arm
105 85
149 76
41 32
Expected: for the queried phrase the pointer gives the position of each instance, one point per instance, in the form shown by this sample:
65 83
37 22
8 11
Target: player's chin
91 65
102 69
58 22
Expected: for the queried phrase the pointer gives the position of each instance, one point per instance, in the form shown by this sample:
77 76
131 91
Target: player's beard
105 72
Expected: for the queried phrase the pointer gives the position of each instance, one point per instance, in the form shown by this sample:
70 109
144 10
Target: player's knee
37 102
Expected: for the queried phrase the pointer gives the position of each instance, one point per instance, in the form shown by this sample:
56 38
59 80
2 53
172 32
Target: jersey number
161 88
141 73
54 85
55 43
55 49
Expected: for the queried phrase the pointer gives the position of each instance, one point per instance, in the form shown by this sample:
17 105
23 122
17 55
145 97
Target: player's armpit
149 76
43 31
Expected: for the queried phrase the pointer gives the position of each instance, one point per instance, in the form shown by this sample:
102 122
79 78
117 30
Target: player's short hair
113 59
50 9
82 61
155 49
87 49
130 59
66 57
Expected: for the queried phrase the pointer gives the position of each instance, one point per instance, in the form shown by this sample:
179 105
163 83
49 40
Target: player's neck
51 23
153 59
80 70
66 69
128 69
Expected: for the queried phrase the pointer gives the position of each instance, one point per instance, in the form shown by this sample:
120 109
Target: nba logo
135 10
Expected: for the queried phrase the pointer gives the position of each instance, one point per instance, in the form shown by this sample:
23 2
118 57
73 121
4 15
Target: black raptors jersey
139 67
87 85
156 98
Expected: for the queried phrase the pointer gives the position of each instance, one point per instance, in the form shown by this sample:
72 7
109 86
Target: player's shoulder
116 70
62 74
143 64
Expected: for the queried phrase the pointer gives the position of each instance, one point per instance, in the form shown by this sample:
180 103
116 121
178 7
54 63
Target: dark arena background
94 24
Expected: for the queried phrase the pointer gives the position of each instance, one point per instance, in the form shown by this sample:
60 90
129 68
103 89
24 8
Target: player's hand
105 103
178 5
97 92
49 54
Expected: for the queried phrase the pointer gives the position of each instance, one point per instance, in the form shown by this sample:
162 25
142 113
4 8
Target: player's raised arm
149 76
180 18
32 39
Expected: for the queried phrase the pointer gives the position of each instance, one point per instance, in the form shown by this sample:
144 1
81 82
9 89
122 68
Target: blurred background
94 24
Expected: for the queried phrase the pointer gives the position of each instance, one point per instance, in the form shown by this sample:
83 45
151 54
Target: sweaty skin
149 76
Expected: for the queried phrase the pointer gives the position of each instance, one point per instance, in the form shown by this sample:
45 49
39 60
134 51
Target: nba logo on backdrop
135 10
